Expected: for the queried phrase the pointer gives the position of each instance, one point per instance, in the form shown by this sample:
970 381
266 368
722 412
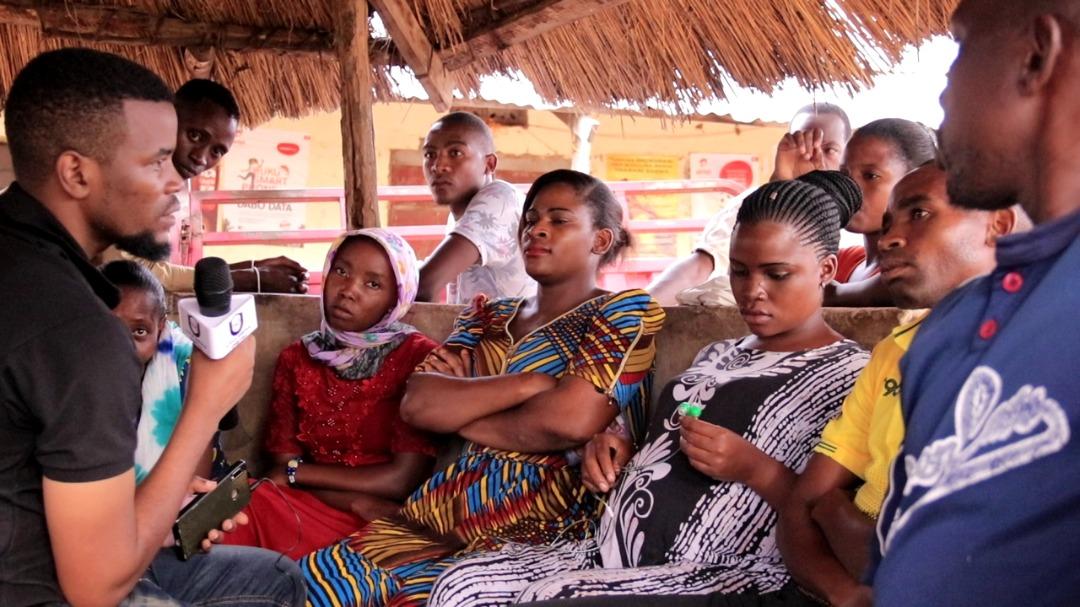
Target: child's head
369 281
834 125
141 307
571 223
877 156
783 249
459 157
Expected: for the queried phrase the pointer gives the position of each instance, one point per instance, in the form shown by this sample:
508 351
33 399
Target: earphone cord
296 514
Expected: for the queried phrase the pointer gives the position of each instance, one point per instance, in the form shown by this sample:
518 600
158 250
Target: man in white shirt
480 253
817 137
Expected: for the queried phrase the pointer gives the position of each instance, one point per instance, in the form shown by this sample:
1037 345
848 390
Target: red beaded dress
329 420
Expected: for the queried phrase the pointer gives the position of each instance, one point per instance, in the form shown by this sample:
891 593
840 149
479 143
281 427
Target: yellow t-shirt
866 436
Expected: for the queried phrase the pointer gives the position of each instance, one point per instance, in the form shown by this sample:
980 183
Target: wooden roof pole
130 26
527 23
411 41
357 124
199 61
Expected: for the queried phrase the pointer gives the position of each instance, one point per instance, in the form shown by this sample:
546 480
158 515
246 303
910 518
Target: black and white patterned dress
669 529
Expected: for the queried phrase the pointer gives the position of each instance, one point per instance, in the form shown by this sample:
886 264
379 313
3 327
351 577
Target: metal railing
632 271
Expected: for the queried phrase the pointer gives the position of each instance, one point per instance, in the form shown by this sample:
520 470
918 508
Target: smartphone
209 510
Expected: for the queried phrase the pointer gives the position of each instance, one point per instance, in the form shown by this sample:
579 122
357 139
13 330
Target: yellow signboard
626 167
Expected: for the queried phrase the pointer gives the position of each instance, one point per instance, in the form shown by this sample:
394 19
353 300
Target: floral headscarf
358 355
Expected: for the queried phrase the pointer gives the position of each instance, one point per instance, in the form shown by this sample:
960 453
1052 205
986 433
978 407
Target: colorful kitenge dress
668 529
488 496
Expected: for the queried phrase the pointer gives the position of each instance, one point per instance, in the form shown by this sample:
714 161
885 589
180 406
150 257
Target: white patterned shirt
491 223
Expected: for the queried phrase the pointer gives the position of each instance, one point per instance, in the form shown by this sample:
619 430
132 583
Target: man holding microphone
92 138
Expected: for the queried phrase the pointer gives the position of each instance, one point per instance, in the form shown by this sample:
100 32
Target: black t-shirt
69 387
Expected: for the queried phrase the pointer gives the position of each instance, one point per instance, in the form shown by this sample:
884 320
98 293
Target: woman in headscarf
341 453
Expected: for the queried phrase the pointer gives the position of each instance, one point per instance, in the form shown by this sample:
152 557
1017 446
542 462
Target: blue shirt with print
985 505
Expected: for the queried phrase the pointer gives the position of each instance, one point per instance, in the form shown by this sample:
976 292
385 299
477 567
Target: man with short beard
985 505
92 138
207 119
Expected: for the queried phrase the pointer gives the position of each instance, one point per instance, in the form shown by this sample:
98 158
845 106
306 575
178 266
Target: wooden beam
129 26
530 22
413 44
357 124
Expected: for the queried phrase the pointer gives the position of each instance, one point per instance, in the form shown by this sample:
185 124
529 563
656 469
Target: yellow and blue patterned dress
488 496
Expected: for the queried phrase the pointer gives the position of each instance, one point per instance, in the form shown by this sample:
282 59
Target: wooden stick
129 26
357 125
199 61
526 24
413 44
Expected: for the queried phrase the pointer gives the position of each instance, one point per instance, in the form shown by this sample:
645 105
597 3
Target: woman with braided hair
693 512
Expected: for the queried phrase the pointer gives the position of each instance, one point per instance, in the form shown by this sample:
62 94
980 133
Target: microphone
215 320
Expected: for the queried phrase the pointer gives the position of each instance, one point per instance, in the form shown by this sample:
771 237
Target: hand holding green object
690 409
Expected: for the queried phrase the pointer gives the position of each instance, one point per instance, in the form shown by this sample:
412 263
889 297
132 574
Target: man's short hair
820 108
199 89
472 123
72 99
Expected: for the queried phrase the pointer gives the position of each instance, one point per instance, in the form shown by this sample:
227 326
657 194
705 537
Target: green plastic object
690 409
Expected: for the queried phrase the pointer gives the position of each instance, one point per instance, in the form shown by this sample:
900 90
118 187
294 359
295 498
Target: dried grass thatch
665 51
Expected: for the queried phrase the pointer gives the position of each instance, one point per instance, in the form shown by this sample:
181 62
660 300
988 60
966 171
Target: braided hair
817 205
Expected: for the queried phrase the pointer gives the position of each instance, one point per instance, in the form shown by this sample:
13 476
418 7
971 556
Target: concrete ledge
284 318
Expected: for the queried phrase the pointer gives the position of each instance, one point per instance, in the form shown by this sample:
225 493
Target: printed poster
742 171
265 159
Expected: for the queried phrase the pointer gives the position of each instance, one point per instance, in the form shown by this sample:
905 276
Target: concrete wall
402 126
284 318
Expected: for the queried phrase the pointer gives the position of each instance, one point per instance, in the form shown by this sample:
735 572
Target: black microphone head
213 286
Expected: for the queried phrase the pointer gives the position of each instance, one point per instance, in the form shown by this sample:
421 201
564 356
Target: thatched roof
279 55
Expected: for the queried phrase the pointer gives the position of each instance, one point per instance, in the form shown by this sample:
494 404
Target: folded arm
445 404
563 417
